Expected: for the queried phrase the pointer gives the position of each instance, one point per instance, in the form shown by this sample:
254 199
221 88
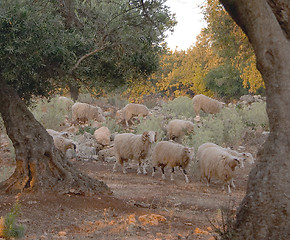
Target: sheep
86 112
216 162
207 104
177 128
169 153
62 143
130 110
128 146
242 156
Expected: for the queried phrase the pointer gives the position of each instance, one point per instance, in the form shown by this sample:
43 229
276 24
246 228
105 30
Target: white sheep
86 112
242 156
131 110
206 104
168 153
176 129
216 162
129 146
61 142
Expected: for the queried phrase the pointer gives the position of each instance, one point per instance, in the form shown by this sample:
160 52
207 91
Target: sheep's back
127 145
167 153
207 104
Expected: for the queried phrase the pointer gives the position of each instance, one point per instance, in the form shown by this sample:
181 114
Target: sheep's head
119 115
231 162
248 157
189 155
189 127
149 136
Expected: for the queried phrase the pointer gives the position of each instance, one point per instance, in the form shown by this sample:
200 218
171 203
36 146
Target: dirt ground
141 207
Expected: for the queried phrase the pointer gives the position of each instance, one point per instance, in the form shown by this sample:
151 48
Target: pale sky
190 23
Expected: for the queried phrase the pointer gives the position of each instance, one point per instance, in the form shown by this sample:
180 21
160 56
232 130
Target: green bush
88 129
255 116
225 128
153 123
11 230
51 113
113 126
181 107
117 100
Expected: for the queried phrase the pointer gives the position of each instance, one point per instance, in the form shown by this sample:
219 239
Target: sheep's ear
186 150
145 136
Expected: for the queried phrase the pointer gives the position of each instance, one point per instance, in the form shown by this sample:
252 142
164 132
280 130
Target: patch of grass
113 126
224 224
181 108
225 128
88 129
8 227
153 123
117 100
51 113
255 116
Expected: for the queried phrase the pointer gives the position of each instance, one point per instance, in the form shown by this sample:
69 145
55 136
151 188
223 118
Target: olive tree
265 210
46 44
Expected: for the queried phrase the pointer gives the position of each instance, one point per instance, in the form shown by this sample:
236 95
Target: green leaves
45 44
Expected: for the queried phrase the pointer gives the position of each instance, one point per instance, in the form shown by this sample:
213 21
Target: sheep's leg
229 188
124 167
115 167
172 172
208 180
232 183
144 169
163 174
185 175
138 169
153 172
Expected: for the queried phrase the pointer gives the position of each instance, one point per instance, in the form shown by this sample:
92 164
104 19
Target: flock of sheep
214 161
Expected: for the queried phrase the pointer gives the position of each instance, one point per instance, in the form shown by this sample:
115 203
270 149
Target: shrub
154 123
51 113
113 126
255 115
86 98
224 128
88 129
117 100
8 227
181 107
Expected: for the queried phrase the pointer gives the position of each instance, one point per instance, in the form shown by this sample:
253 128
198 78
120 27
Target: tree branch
86 56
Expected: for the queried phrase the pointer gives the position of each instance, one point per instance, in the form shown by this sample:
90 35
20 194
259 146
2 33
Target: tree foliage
100 44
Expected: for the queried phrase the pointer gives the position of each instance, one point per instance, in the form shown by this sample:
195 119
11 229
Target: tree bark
265 210
74 91
40 167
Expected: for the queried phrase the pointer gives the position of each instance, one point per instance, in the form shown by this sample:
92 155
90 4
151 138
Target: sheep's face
150 136
248 157
189 127
189 153
232 162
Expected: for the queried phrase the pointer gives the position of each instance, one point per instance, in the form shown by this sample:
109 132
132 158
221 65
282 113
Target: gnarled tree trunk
265 210
39 165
